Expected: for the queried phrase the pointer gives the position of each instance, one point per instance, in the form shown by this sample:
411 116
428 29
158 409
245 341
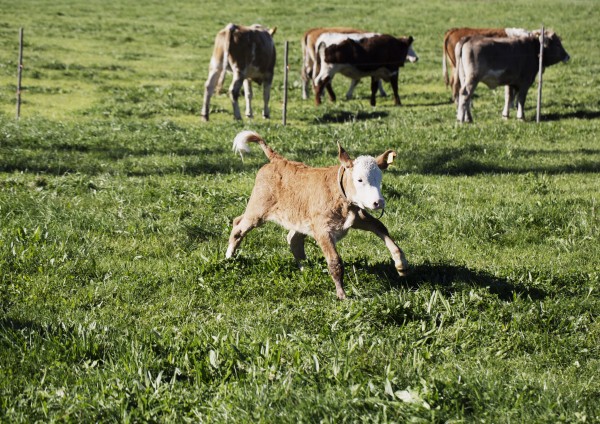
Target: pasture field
118 305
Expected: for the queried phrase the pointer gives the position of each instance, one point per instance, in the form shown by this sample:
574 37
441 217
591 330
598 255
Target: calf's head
364 182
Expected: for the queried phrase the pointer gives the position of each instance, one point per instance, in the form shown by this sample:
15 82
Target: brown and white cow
379 57
310 67
513 62
320 202
249 53
454 35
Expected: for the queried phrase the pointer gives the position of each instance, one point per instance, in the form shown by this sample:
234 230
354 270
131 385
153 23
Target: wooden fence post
541 69
285 83
19 72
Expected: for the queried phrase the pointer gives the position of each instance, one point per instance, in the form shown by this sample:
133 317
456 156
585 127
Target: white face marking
366 177
411 55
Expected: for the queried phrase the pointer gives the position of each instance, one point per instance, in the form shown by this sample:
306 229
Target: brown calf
320 202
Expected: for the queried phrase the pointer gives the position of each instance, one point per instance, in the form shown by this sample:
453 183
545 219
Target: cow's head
364 182
411 56
554 51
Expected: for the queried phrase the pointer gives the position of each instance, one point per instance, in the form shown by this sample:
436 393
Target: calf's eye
360 180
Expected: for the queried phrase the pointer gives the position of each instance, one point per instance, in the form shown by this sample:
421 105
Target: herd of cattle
494 56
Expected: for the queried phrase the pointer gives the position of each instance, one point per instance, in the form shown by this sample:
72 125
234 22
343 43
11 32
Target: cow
323 203
309 59
453 36
513 62
249 53
379 57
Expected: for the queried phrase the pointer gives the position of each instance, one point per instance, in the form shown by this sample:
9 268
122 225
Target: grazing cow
309 58
513 62
321 202
454 35
249 53
379 57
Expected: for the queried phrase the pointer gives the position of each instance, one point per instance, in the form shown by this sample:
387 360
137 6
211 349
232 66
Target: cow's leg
455 84
366 222
330 91
296 242
209 89
306 75
374 85
319 90
334 263
266 98
248 97
521 97
464 103
234 93
509 99
382 92
394 84
241 226
350 92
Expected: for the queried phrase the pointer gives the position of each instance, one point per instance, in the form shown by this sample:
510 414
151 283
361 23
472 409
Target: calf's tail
240 144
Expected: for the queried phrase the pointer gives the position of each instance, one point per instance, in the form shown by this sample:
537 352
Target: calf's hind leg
296 242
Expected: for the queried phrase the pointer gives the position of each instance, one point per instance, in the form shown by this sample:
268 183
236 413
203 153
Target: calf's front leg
334 263
366 222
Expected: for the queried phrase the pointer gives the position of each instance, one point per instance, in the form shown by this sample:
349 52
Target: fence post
19 72
541 69
285 83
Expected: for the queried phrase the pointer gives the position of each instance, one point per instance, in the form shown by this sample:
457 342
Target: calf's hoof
204 118
341 294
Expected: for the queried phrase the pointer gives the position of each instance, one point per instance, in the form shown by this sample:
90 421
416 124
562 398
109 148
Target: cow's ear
410 40
272 31
344 157
386 159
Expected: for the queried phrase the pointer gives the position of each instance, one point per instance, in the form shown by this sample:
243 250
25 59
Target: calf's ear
344 157
385 159
272 31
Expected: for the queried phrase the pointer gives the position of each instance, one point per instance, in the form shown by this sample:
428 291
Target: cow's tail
228 36
444 62
240 144
458 58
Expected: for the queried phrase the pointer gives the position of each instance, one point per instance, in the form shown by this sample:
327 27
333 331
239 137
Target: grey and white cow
513 62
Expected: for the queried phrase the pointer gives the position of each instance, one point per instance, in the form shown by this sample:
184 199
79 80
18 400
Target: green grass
118 305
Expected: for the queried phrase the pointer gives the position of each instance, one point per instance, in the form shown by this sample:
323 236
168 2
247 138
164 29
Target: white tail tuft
240 142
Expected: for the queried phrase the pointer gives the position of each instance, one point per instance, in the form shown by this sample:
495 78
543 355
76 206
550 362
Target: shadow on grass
578 114
466 161
338 117
451 278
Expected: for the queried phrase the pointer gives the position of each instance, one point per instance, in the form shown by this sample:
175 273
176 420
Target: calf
310 67
249 53
513 62
454 35
379 57
321 202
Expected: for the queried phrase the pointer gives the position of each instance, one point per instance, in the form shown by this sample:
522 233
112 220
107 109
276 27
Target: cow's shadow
339 117
450 279
578 114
